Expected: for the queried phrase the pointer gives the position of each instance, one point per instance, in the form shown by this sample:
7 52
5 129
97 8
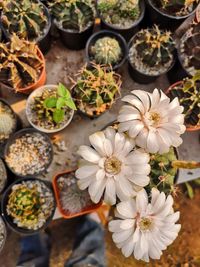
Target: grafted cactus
151 51
190 49
178 7
96 89
27 18
76 15
20 64
106 50
188 93
119 12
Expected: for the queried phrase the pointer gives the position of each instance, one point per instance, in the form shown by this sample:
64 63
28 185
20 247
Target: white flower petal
85 171
88 154
127 224
100 174
141 200
127 209
97 140
122 236
114 226
128 248
152 143
108 148
110 192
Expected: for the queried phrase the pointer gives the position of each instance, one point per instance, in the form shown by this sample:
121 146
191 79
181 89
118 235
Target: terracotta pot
64 214
189 128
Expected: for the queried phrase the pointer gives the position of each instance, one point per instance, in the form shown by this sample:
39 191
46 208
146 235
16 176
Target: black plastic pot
140 77
101 34
18 127
74 40
128 32
8 219
165 21
44 41
18 135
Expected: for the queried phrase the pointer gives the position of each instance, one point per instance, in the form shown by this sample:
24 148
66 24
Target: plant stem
182 164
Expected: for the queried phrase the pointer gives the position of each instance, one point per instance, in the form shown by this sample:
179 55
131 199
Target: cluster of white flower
116 168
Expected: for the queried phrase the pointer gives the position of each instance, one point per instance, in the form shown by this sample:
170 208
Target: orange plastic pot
189 128
41 81
87 210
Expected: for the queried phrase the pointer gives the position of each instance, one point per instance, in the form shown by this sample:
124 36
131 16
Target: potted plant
28 205
151 54
108 48
95 90
22 65
123 17
8 123
50 108
71 201
3 177
188 93
170 14
3 234
28 153
74 20
30 19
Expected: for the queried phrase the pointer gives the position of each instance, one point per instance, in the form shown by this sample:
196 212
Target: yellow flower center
113 165
154 118
145 224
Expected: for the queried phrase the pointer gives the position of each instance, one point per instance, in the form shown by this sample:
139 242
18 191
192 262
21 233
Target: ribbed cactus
96 89
106 50
27 18
7 122
20 64
153 47
189 96
119 12
75 15
190 49
178 7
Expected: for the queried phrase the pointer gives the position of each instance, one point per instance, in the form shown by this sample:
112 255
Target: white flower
112 166
145 229
154 122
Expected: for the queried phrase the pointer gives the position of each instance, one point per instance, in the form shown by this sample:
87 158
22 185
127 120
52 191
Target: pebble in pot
29 19
151 54
74 20
50 108
123 17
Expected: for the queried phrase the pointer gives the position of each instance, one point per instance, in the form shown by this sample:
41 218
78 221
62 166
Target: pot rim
5 233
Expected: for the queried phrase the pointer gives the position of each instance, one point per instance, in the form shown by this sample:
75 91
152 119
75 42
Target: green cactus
162 173
190 49
119 12
188 93
107 51
27 18
7 122
152 48
177 7
20 64
75 15
96 89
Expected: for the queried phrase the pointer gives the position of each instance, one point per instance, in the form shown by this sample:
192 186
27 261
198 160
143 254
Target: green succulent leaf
62 91
60 103
190 190
70 103
50 102
58 115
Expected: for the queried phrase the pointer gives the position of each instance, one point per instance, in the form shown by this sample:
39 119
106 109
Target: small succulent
8 122
119 12
20 64
190 49
162 172
96 89
188 93
75 15
27 18
107 51
152 49
177 7
53 106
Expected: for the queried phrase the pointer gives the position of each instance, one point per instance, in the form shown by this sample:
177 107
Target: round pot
44 41
197 14
29 103
127 33
20 134
74 40
64 214
8 218
189 127
4 233
164 20
3 176
139 77
101 34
